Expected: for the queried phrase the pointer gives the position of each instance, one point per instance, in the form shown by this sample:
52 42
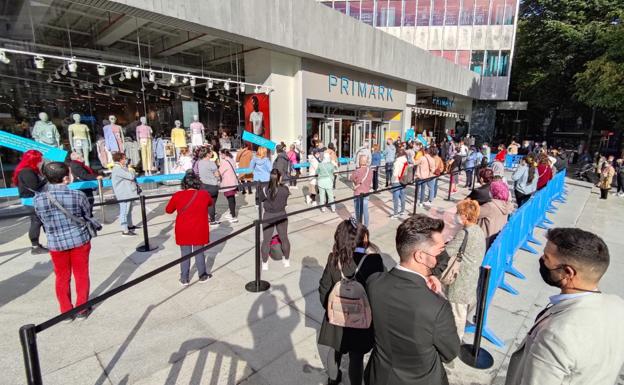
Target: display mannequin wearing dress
197 132
114 138
178 138
144 137
79 138
46 132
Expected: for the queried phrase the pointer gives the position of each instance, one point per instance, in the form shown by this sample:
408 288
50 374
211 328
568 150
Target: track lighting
173 79
226 86
3 57
64 70
57 76
155 86
185 80
135 73
267 91
50 80
210 83
101 69
110 80
72 66
193 90
152 76
39 62
193 81
127 72
242 87
122 77
257 90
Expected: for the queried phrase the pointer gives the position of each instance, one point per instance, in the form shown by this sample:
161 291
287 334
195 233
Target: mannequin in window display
46 132
113 136
178 137
79 138
144 137
197 132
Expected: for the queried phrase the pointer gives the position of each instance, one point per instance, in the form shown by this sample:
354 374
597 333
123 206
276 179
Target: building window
497 12
382 13
503 67
395 13
463 58
491 64
482 9
367 11
423 12
437 13
476 63
354 9
449 55
340 6
327 3
467 12
510 11
452 12
409 17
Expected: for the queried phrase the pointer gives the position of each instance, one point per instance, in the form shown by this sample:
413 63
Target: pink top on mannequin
143 132
197 128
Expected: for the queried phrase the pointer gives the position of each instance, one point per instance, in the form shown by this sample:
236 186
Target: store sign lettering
359 89
442 102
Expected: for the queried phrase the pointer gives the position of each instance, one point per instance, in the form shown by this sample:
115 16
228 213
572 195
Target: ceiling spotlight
257 90
72 66
127 72
39 62
57 76
210 84
152 76
267 91
155 86
242 87
193 81
164 93
50 80
71 81
63 70
101 69
110 80
3 57
193 89
135 73
173 79
185 80
122 77
226 86
142 88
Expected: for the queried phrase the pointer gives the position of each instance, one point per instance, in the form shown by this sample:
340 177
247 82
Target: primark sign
355 88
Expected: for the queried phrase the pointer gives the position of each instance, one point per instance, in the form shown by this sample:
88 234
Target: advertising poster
257 115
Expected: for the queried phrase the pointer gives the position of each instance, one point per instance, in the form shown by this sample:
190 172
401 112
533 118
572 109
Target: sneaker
308 200
184 283
402 213
132 227
323 209
333 209
233 220
265 266
128 233
394 216
69 320
204 278
428 204
84 314
286 262
226 217
421 205
215 223
314 204
38 249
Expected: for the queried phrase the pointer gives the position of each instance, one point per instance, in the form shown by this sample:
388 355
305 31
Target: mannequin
79 138
197 132
113 135
144 137
178 138
46 132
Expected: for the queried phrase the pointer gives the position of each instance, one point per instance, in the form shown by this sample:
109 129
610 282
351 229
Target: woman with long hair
208 173
544 171
229 183
275 199
525 179
28 180
261 165
349 257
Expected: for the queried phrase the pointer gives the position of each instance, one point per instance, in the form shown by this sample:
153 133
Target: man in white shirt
578 339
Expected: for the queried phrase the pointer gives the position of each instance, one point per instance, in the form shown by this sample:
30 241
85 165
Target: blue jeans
364 210
435 188
431 187
398 196
125 215
389 167
200 262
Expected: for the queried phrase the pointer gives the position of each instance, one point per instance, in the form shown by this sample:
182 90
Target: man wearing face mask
578 338
414 327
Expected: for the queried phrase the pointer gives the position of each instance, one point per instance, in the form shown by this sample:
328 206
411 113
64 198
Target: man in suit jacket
414 326
578 339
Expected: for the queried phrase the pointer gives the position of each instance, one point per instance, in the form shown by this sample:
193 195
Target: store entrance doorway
367 130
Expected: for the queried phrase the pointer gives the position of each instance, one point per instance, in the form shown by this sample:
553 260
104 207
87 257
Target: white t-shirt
256 118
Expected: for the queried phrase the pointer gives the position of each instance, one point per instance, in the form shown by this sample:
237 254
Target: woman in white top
398 193
311 197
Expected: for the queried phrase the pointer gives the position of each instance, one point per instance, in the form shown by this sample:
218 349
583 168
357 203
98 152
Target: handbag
449 275
91 224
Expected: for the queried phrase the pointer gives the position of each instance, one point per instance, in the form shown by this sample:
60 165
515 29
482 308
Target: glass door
362 131
331 132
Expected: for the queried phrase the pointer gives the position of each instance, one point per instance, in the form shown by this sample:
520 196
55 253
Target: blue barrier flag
258 140
422 140
409 134
22 144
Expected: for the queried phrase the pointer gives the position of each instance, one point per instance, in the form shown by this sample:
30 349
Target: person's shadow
20 284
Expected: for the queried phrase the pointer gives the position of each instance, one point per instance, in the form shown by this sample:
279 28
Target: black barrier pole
416 188
360 208
101 194
145 247
450 185
257 285
473 355
28 339
475 172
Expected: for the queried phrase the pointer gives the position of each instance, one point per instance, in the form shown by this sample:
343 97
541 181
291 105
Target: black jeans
620 182
521 198
604 193
389 167
232 205
356 365
35 227
214 194
267 234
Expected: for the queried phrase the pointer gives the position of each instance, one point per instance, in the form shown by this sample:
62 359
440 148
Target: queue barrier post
28 339
416 188
474 355
450 186
145 247
101 195
360 208
257 285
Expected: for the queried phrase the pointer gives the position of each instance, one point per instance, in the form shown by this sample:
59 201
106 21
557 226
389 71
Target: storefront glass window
452 12
327 3
367 11
476 63
463 58
504 63
467 12
423 11
436 53
497 12
354 9
491 66
449 55
437 14
409 17
394 13
510 11
340 6
382 13
482 8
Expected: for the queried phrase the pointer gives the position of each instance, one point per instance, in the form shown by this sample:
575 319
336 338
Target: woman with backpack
348 260
274 198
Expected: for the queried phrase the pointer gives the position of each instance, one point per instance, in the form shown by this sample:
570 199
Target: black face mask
545 272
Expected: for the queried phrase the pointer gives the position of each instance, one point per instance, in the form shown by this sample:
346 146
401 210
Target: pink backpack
347 305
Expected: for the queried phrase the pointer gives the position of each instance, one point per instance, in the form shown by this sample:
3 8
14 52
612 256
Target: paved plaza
216 332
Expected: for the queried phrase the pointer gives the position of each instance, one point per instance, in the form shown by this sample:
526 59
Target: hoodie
282 164
261 169
493 217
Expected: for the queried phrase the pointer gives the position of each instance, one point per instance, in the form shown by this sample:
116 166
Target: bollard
475 171
101 194
450 185
416 188
360 208
473 355
28 339
145 247
257 285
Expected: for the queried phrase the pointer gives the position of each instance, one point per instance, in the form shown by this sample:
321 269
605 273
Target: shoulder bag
91 224
449 275
189 203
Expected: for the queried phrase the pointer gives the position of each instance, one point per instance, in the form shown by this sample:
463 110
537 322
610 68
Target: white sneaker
333 209
314 204
394 216
428 204
308 200
265 266
421 205
323 209
233 220
286 262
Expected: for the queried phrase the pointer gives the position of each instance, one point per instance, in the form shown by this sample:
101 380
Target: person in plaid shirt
69 243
